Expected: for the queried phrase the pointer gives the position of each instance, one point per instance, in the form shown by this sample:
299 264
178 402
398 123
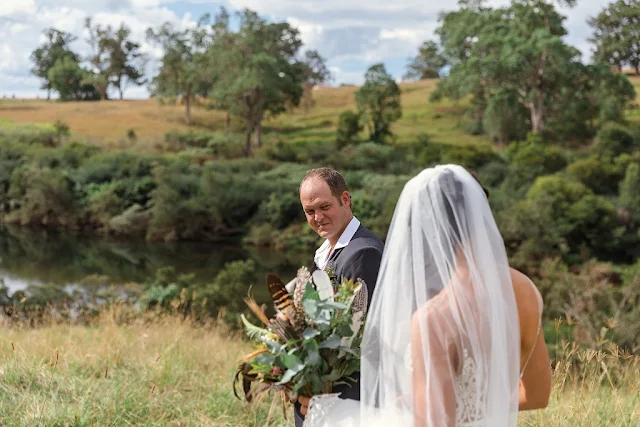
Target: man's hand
304 404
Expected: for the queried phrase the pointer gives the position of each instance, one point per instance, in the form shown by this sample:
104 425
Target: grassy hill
109 121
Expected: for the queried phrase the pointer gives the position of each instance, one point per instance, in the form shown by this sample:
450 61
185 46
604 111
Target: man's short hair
332 177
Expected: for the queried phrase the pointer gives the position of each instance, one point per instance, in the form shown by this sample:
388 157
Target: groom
350 249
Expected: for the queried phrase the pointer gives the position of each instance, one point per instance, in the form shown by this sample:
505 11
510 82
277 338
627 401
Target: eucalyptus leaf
349 350
310 294
316 383
265 359
332 305
332 342
344 331
310 333
313 355
310 307
323 284
332 377
300 385
274 347
292 362
288 376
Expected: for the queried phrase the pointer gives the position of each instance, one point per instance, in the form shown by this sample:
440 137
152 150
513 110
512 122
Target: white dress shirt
324 252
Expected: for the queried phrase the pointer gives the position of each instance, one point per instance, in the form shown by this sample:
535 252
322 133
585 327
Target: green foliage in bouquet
314 342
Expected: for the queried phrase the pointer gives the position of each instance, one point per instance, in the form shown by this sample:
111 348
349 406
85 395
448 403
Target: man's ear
345 198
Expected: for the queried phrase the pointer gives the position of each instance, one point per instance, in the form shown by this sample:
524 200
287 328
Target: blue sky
351 34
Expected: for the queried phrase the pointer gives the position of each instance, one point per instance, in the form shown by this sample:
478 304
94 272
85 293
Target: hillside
109 121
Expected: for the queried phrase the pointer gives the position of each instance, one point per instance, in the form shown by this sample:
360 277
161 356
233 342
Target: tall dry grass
154 370
167 370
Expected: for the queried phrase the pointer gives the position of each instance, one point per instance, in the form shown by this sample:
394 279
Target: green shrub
367 156
261 234
349 126
629 192
365 207
225 291
530 159
297 238
505 118
429 154
473 127
613 140
111 166
31 134
493 173
42 197
280 210
599 174
560 217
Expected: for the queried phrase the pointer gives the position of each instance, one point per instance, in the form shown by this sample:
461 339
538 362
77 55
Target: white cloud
21 32
362 31
11 8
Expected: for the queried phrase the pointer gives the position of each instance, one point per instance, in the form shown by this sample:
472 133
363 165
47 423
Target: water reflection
40 257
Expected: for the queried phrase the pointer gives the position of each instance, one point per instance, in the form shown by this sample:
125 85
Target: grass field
167 372
109 121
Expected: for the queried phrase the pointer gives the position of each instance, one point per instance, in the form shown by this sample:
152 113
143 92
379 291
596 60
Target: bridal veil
441 343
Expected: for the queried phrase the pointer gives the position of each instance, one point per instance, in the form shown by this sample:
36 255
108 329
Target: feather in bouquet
313 343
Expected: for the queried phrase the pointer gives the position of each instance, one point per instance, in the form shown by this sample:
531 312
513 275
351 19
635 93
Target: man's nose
318 216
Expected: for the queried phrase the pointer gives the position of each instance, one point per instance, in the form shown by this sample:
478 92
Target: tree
182 67
427 64
516 50
70 81
315 72
100 72
256 70
126 62
349 127
55 48
379 102
629 196
616 34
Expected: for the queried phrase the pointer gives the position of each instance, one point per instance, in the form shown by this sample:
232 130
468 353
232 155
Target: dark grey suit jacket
360 259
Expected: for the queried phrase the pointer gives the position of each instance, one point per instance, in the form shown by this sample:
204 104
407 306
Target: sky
350 34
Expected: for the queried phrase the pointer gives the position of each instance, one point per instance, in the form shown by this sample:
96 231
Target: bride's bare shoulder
436 307
528 302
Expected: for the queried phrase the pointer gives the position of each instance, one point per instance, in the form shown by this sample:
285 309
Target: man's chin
325 234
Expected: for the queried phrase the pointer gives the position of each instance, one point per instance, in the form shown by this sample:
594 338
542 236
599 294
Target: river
36 257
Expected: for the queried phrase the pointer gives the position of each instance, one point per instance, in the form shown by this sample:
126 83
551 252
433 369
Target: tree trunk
247 141
257 120
49 93
227 122
257 141
537 114
637 69
187 106
307 97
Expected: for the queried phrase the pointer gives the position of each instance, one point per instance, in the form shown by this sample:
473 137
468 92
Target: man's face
325 214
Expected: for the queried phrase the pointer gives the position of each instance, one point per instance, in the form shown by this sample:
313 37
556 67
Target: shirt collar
324 251
347 234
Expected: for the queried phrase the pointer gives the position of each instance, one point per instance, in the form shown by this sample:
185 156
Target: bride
452 337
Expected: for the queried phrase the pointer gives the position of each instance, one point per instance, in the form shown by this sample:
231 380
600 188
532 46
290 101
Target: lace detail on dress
469 406
320 409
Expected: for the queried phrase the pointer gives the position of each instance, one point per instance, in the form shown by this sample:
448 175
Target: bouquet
312 345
